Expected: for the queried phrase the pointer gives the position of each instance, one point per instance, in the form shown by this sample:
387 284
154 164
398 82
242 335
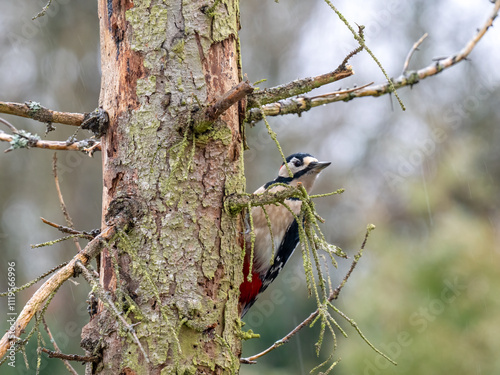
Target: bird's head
305 169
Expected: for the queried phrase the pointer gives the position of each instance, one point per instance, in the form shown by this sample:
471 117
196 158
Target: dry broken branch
70 357
27 140
231 97
408 78
297 87
37 112
36 302
89 235
297 105
214 111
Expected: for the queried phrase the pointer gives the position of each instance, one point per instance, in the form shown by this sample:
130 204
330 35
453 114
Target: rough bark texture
180 263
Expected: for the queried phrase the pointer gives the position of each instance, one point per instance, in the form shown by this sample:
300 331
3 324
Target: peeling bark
178 269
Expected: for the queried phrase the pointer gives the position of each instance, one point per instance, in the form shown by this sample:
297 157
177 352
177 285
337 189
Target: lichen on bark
181 262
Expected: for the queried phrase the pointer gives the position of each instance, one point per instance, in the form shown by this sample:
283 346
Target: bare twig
340 92
301 104
34 281
37 112
53 242
9 125
333 295
413 49
43 11
64 210
359 36
63 229
357 50
56 347
70 357
90 150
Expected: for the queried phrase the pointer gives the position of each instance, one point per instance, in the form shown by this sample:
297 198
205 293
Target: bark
176 271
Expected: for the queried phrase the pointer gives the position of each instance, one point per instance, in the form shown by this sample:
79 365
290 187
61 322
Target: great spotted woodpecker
285 229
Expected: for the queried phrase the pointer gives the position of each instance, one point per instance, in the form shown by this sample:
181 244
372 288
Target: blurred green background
427 290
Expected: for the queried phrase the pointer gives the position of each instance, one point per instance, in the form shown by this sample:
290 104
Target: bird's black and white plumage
285 229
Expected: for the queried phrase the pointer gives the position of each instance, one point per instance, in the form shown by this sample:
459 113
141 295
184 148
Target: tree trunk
176 271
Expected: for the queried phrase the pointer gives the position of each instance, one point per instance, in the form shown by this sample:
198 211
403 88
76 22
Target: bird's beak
319 165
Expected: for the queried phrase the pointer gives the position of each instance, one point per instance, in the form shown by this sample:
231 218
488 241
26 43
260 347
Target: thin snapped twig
70 357
64 209
12 128
413 49
56 347
90 235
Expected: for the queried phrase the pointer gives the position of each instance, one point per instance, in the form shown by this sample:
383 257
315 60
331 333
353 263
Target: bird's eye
297 163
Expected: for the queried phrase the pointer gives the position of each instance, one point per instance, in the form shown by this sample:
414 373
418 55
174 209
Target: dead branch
301 86
43 11
297 105
297 87
231 97
408 78
35 111
40 296
214 111
63 229
236 202
27 140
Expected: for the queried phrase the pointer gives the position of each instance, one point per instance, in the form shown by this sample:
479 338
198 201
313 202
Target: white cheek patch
309 159
283 171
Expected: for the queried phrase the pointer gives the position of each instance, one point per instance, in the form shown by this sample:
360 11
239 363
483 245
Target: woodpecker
285 229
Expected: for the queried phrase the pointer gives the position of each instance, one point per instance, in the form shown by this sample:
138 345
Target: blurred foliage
426 290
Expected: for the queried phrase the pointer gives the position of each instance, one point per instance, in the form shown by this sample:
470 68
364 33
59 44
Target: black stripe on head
302 172
295 162
299 155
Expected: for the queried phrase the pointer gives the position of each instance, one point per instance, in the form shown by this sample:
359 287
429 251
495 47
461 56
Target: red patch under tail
249 289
